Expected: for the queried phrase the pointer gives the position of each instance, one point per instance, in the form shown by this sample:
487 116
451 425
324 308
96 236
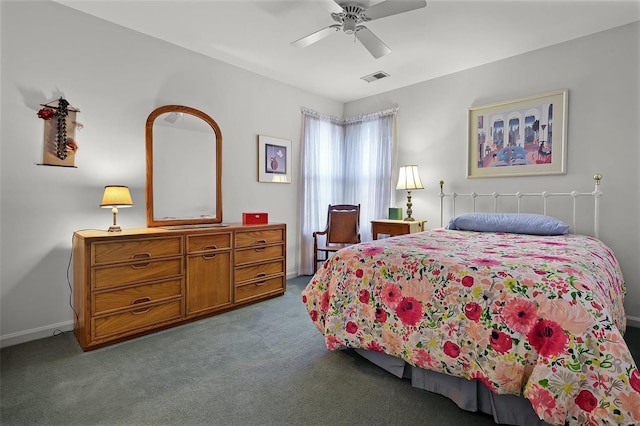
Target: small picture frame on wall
274 159
520 137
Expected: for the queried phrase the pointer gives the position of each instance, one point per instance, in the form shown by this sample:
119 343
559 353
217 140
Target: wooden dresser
140 280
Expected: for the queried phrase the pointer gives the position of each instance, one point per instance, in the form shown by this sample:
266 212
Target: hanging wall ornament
61 134
60 127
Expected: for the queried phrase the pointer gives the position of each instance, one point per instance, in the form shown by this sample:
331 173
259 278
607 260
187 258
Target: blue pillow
514 223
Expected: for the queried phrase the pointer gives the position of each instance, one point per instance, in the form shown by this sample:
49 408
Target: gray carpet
264 364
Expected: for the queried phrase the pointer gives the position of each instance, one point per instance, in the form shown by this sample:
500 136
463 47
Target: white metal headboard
596 194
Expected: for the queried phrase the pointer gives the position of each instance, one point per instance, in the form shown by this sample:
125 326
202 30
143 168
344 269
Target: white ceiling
445 37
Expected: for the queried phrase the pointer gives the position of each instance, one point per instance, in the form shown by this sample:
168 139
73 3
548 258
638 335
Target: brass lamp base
114 227
409 211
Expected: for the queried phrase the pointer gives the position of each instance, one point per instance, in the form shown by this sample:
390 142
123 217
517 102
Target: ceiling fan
351 17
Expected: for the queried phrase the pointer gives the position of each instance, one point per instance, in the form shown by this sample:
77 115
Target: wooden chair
343 229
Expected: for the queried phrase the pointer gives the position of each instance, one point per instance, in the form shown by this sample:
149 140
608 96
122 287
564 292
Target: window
344 162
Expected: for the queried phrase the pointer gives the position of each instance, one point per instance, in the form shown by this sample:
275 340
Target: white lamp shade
408 178
116 196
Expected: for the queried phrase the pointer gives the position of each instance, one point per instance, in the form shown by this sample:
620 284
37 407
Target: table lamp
116 196
409 179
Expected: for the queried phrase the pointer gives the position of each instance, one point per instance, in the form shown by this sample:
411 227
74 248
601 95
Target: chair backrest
343 224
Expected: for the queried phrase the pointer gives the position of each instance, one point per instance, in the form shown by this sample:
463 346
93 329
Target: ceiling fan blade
337 5
393 7
374 45
317 36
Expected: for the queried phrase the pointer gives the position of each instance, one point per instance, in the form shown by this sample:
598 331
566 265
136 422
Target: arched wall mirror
184 160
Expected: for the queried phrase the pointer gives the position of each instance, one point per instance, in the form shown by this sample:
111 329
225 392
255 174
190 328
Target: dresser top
169 230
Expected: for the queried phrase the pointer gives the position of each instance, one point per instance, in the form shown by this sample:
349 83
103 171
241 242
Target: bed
523 326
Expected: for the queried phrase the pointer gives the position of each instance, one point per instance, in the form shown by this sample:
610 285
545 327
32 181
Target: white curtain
369 148
344 162
321 138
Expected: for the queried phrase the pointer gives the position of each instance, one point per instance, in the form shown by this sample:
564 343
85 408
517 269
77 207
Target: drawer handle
141 300
210 248
141 256
261 283
260 249
145 255
140 311
261 274
261 242
209 256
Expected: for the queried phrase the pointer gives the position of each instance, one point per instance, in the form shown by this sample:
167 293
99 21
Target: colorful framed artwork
520 137
274 159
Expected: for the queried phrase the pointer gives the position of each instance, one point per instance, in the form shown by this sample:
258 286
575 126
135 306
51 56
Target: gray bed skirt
470 395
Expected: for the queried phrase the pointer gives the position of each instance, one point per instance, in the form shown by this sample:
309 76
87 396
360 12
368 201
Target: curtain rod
342 121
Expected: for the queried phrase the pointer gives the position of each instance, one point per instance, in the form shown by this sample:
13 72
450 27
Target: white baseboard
49 330
34 334
633 321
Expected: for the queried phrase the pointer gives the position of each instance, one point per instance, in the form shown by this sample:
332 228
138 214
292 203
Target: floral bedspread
527 315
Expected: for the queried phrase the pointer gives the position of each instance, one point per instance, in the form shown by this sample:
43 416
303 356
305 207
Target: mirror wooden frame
153 222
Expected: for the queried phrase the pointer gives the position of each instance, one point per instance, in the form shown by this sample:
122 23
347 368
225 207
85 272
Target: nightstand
396 227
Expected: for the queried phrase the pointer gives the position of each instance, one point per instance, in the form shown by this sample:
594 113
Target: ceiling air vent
375 76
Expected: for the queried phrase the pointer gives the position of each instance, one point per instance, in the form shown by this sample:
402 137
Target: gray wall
116 77
601 73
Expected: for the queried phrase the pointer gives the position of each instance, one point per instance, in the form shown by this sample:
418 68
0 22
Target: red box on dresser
255 218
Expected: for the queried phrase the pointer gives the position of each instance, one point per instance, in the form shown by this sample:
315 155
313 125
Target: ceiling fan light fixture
349 26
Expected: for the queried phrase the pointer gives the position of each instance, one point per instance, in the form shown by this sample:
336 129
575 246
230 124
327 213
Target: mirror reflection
183 167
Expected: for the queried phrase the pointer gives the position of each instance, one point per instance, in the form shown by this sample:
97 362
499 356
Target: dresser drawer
259 254
145 294
260 288
135 320
199 243
125 250
121 275
251 272
265 236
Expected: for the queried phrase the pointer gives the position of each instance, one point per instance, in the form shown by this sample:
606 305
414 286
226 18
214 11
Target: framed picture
274 159
521 137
